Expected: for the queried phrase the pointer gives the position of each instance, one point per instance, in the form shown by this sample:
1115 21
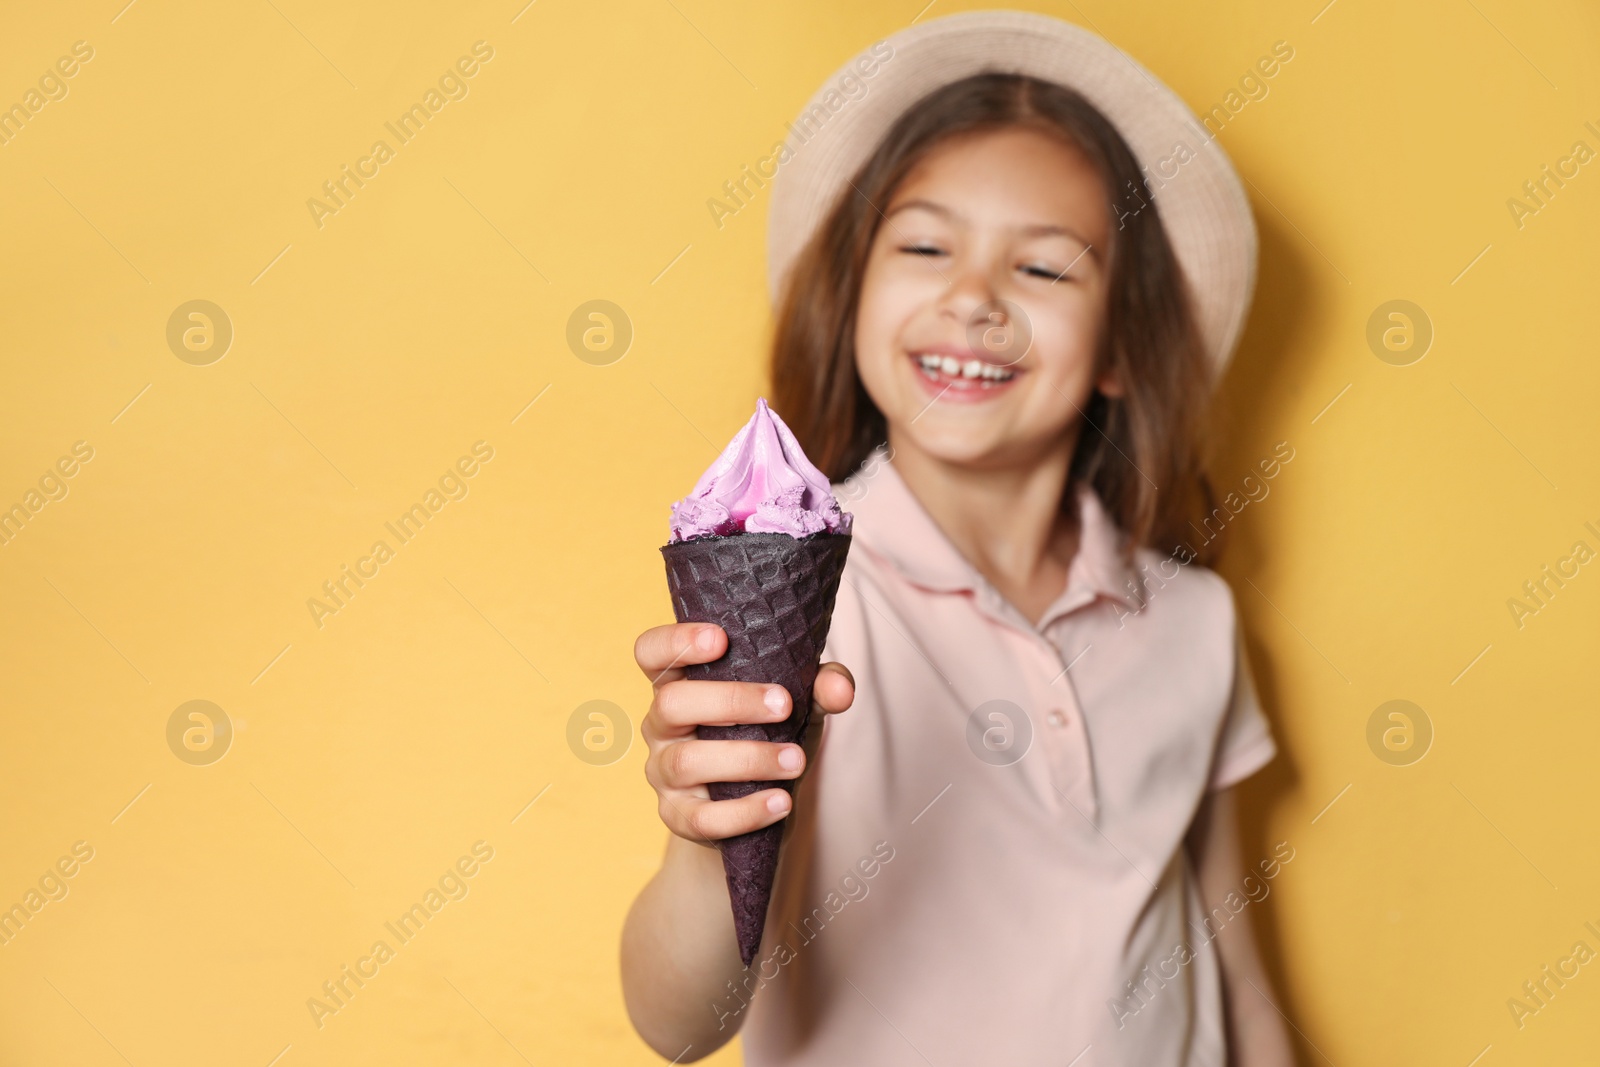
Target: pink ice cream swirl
762 483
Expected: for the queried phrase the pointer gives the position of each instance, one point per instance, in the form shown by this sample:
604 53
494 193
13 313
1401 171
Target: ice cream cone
773 594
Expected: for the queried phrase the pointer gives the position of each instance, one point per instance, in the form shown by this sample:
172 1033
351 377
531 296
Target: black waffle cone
773 594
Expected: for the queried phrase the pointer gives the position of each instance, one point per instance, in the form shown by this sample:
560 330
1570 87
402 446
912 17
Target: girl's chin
975 436
956 439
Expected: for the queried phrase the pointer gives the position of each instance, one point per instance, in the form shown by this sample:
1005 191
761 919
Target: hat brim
1202 204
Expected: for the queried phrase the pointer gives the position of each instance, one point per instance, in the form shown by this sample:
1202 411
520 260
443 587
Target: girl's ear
1110 384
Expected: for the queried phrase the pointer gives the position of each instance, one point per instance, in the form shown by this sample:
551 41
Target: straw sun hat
1195 188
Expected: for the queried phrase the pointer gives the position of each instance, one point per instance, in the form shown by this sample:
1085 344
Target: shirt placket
1059 765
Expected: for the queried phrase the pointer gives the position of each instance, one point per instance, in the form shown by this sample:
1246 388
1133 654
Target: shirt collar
893 525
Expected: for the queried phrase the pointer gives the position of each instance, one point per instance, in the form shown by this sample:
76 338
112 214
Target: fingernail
706 639
789 757
774 699
778 803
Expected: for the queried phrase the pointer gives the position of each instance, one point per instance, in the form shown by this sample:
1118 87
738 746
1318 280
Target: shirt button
1058 717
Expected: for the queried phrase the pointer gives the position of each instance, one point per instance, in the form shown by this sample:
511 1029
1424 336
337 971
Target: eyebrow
1037 230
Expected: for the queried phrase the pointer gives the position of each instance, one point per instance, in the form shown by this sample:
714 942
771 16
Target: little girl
1019 846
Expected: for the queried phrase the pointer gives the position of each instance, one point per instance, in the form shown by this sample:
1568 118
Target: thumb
833 692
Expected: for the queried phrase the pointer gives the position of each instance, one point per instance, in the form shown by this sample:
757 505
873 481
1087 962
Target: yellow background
425 316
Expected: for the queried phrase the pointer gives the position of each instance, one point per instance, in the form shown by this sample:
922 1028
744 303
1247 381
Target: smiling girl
999 341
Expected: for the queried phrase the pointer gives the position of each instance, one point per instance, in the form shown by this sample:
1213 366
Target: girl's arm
678 947
1257 1036
678 953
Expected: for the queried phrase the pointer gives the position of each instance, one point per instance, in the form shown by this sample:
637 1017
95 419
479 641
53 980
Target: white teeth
933 365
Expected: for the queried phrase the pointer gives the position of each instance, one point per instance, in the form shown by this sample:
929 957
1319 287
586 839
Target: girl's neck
1007 521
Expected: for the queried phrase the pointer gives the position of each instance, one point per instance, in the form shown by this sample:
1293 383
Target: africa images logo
453 84
850 86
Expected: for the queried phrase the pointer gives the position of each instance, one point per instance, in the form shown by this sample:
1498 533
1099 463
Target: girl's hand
680 765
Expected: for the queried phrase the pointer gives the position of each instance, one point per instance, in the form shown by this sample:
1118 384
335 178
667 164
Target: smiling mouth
950 372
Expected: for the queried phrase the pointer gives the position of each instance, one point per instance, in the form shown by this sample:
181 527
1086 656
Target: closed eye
1049 275
922 250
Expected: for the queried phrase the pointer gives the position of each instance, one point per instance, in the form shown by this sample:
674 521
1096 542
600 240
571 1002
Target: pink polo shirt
991 840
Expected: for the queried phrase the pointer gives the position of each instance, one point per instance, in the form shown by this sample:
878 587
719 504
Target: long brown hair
1143 453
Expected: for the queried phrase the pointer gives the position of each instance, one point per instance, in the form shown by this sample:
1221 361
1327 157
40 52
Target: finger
662 651
704 820
835 689
690 764
833 692
684 703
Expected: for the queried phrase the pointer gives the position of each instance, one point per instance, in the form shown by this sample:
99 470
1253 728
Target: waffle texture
773 594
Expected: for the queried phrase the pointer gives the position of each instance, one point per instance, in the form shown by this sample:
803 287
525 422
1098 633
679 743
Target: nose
968 287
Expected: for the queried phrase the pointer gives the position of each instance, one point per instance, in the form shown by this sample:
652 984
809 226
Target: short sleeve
1245 743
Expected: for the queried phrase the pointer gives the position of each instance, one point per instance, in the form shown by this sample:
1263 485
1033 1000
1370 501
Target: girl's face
991 239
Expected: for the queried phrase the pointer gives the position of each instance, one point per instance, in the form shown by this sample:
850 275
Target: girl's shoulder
1190 589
